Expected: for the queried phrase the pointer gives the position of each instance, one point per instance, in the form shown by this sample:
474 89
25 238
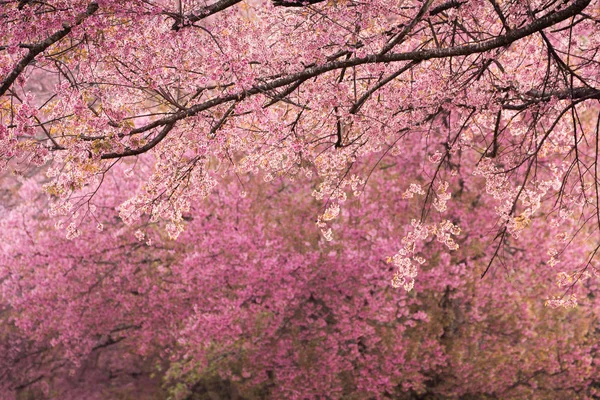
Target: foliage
187 148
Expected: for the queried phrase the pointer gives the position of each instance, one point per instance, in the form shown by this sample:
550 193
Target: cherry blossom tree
221 192
251 301
206 90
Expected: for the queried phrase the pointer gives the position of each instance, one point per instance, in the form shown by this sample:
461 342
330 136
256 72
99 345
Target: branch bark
295 3
133 152
40 47
408 28
578 93
421 55
195 16
416 56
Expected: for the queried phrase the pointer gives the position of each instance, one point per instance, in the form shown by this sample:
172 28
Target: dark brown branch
20 45
295 3
278 97
596 182
570 93
220 123
502 236
22 4
494 150
195 16
444 7
29 383
42 46
133 152
500 15
537 96
408 28
420 55
356 107
338 126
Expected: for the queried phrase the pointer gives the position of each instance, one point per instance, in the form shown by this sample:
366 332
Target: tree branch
133 152
392 43
42 46
421 55
446 6
195 16
579 93
500 14
295 3
379 85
